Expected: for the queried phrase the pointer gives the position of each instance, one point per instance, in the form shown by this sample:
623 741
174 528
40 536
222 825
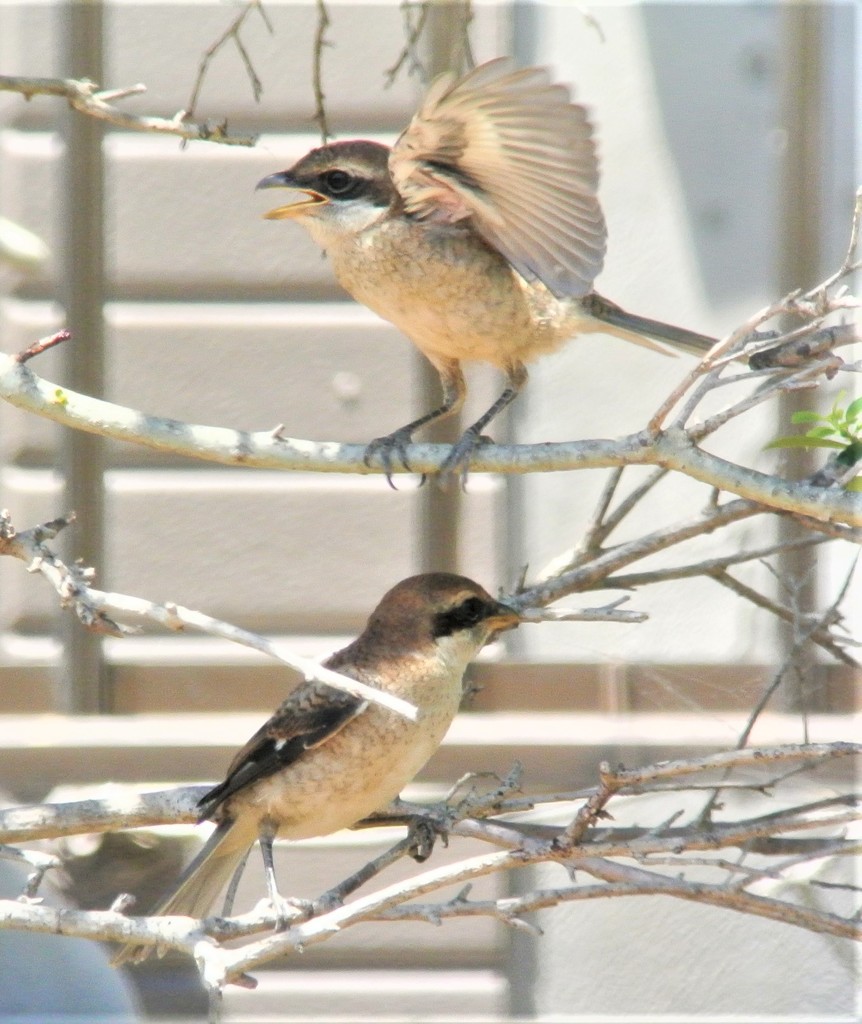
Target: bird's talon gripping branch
458 459
384 448
290 910
424 833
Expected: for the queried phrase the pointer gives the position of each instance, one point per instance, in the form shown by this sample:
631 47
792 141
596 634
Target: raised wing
509 150
311 715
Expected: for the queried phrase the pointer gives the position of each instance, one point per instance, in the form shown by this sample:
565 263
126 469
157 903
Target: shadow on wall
44 978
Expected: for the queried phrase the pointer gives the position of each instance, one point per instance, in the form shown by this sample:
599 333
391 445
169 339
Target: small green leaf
803 416
854 485
820 432
839 398
854 410
804 441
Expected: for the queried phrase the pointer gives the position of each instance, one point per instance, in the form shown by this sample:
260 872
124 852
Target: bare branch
708 565
849 264
672 449
723 896
595 572
88 98
92 607
816 634
124 808
797 834
607 613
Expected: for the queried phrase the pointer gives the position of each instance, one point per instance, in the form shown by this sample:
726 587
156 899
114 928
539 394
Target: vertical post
444 36
800 265
80 685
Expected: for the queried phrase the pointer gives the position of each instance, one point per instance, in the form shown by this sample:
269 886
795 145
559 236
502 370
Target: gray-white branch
88 98
95 607
670 449
792 835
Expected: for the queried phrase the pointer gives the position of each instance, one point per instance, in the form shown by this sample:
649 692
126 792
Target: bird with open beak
326 758
478 234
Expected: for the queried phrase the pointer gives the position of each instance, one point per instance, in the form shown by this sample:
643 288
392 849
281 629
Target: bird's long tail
200 883
636 328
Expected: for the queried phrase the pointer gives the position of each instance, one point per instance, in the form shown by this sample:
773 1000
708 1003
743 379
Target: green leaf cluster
840 429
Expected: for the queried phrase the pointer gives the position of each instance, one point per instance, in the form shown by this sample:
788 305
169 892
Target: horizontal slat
159 674
381 995
176 228
560 750
272 550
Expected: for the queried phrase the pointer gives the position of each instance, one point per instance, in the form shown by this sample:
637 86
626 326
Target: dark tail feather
679 337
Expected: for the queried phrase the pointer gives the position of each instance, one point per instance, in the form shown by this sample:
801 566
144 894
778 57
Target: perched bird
478 234
326 759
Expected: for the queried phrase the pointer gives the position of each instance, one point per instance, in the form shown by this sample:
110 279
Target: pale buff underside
357 771
456 299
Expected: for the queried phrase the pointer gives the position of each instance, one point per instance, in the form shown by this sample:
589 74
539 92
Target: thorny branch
624 860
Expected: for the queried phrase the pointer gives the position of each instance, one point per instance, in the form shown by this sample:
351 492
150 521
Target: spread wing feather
511 152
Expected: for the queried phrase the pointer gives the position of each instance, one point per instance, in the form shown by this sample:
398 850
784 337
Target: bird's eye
463 616
471 611
338 182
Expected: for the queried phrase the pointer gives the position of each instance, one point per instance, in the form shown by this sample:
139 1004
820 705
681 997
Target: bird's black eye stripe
339 182
462 616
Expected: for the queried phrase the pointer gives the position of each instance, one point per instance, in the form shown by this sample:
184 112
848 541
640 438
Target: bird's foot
289 910
456 462
424 833
385 448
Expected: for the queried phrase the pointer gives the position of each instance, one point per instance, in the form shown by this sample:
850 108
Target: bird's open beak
282 179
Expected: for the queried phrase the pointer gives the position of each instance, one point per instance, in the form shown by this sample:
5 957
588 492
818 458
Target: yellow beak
282 179
504 618
293 209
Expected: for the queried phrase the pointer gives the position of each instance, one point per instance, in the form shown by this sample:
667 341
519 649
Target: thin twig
413 32
42 345
320 41
231 33
816 635
772 686
632 581
594 573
